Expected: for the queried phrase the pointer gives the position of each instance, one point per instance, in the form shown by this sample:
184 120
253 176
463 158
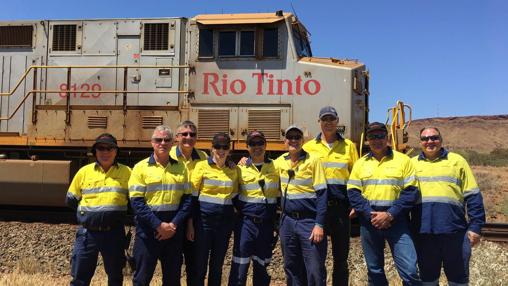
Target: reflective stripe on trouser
452 251
401 245
338 228
87 246
148 250
252 242
304 261
211 243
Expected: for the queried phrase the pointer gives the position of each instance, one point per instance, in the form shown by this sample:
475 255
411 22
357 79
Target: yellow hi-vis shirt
159 194
338 161
102 197
447 187
307 191
250 188
214 187
196 156
382 182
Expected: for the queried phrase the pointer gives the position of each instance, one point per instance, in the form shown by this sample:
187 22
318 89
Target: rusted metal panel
34 183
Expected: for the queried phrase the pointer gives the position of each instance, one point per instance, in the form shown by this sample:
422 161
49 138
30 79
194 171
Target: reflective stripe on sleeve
467 193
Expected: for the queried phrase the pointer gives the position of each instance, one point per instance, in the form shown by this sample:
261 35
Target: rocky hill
480 133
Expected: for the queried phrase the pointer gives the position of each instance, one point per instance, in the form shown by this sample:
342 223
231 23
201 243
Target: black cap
328 110
222 139
255 134
376 126
106 138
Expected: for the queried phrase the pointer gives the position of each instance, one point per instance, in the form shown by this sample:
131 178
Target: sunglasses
185 134
294 137
256 143
160 140
104 148
433 138
376 136
328 119
223 147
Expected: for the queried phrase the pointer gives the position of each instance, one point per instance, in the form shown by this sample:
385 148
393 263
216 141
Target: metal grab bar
68 91
25 74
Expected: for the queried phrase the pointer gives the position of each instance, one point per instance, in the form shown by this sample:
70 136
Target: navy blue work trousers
87 246
212 234
304 261
147 250
452 251
253 240
188 258
338 227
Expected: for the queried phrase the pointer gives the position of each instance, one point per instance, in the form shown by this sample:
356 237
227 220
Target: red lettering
224 84
298 82
212 83
289 84
96 87
234 84
270 84
86 87
259 88
63 87
317 87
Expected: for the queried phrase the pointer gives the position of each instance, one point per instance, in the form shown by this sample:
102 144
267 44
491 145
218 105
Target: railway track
495 232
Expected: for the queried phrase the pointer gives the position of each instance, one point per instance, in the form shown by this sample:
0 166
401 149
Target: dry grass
488 267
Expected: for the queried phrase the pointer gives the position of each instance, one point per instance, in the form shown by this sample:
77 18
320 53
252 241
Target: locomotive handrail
25 74
34 91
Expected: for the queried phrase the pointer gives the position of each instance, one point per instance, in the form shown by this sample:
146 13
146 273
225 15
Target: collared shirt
196 156
100 197
338 160
386 185
159 193
448 188
213 187
259 189
306 192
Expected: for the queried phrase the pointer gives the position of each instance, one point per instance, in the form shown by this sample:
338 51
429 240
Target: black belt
300 215
99 228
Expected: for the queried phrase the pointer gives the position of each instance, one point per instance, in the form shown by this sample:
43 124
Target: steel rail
495 232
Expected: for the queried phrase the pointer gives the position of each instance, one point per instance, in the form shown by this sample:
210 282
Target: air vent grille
16 36
156 36
150 122
212 121
97 122
64 38
266 121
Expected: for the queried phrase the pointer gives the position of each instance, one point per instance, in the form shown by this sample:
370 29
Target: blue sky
445 58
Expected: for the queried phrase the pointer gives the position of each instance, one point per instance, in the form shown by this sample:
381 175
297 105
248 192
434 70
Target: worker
382 189
338 156
257 206
160 192
99 193
449 191
185 152
214 186
304 203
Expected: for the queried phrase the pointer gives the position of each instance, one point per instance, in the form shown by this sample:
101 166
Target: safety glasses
220 146
185 134
104 148
294 137
376 136
161 140
256 143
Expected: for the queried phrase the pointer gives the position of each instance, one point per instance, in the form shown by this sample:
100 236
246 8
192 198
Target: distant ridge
482 133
